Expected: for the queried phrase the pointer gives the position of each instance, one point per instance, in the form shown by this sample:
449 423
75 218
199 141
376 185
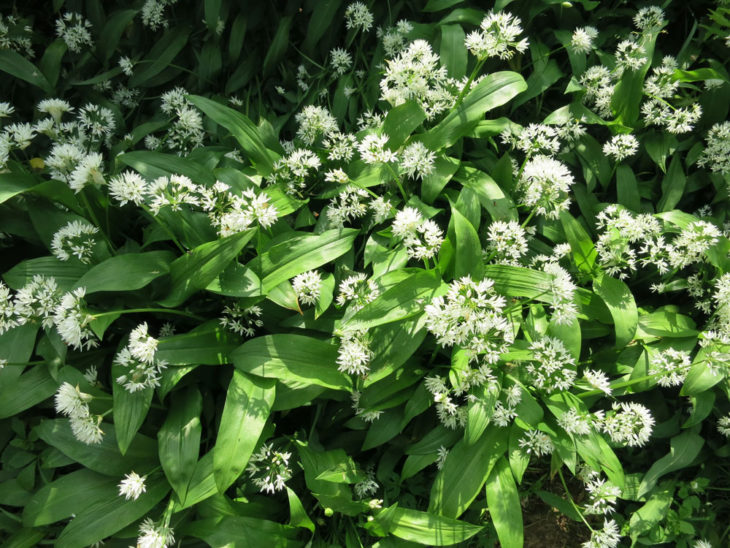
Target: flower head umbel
315 122
723 426
553 368
35 301
357 290
142 368
471 315
422 237
152 535
73 28
354 354
716 156
72 320
340 60
671 366
372 150
269 469
535 442
358 17
307 287
608 537
582 39
132 486
506 242
497 37
128 186
75 239
621 147
243 321
544 186
417 161
628 423
73 403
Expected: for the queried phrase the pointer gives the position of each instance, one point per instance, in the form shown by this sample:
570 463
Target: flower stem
572 502
165 228
398 182
465 89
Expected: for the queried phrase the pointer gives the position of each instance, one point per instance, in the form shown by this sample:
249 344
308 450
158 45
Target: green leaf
627 188
672 185
464 472
279 44
581 245
202 483
491 196
400 122
65 272
503 503
243 532
248 404
114 27
103 457
18 66
684 448
153 164
651 513
629 91
179 440
453 51
207 344
67 496
320 21
103 519
468 248
160 56
666 322
301 253
130 409
620 302
198 268
425 528
538 82
12 184
403 300
126 272
31 388
297 514
241 128
50 63
493 91
294 358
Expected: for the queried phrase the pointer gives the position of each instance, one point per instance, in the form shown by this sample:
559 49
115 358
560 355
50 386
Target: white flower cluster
368 415
671 366
723 425
372 150
506 242
348 205
417 161
621 147
152 535
582 39
132 486
394 38
607 537
16 35
358 290
243 321
505 412
716 155
340 60
36 301
315 122
307 287
599 83
661 83
153 13
340 146
535 442
73 28
354 354
471 315
269 469
649 18
358 17
450 414
598 380
674 120
533 139
630 56
73 403
497 37
422 237
72 320
602 494
75 239
628 423
143 370
544 185
293 169
560 291
553 368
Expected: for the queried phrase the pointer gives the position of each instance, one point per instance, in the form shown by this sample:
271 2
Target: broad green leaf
627 188
126 272
503 503
424 527
702 406
207 344
160 56
179 440
18 66
493 91
453 52
104 457
401 121
466 469
320 21
666 322
468 248
672 185
50 63
236 281
434 182
292 357
297 514
620 302
242 129
202 483
103 519
598 454
684 448
491 196
130 409
301 253
538 82
480 410
595 164
581 245
651 513
198 268
401 301
114 27
243 532
29 389
278 45
248 404
65 272
12 184
629 91
68 495
153 164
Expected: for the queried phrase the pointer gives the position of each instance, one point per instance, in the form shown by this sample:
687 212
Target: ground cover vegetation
332 273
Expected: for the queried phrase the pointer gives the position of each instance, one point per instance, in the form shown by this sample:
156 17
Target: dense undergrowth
322 273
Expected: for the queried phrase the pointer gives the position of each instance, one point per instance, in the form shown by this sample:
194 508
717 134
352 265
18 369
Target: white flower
544 186
98 121
73 28
353 354
692 243
358 16
582 39
574 422
128 187
54 107
307 286
70 401
346 206
139 374
648 18
417 161
608 537
723 426
243 321
621 147
72 321
150 534
132 486
598 380
269 469
88 170
671 366
536 442
35 301
21 134
86 428
716 155
127 65
315 121
422 238
340 60
702 543
602 496
630 55
372 150
8 318
628 423
497 37
359 290
555 367
75 239
538 138
142 345
506 242
561 293
340 146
